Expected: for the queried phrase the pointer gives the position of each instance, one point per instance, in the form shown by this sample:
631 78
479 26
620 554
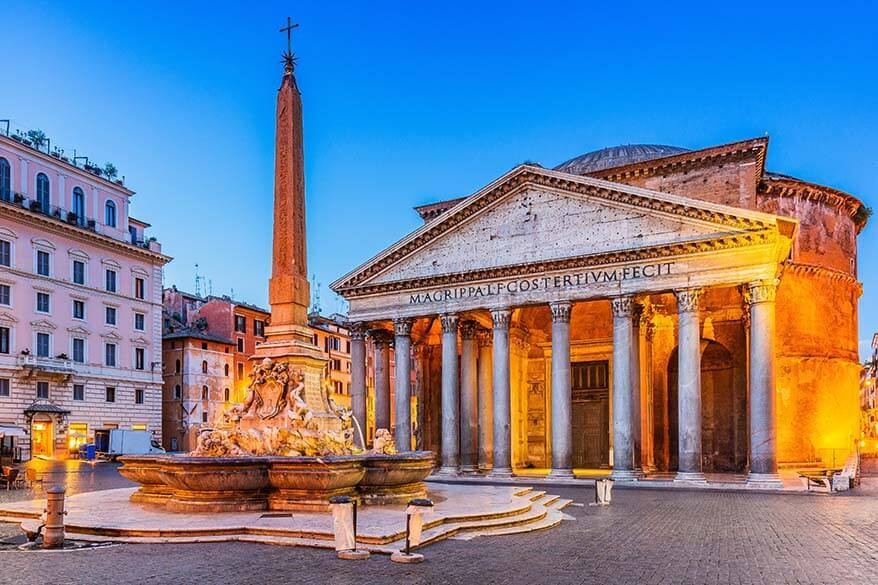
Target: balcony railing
52 366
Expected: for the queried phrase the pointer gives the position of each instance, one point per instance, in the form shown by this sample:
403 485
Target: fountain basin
146 471
307 483
396 478
213 484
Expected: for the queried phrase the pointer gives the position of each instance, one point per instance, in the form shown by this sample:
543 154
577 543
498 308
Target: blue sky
406 103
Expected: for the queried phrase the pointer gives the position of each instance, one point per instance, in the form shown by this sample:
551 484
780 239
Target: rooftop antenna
197 281
315 293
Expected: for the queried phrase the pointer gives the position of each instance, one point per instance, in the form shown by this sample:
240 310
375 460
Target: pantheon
647 309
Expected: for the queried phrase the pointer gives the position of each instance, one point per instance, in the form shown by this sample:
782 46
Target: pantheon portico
558 320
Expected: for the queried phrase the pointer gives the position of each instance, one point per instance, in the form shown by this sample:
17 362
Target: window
78 392
204 416
79 205
4 339
226 394
43 192
111 280
132 231
138 396
110 354
78 350
240 323
240 371
5 180
42 345
4 387
43 390
259 328
5 253
111 315
5 294
78 272
139 322
139 288
139 358
42 263
177 367
42 302
241 344
205 393
178 392
226 368
111 394
203 366
78 309
204 345
110 214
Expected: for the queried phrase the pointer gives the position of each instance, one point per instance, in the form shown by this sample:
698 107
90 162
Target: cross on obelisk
289 29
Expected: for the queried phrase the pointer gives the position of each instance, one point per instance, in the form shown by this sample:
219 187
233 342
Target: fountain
288 446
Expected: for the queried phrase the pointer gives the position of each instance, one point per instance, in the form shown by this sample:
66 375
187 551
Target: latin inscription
544 283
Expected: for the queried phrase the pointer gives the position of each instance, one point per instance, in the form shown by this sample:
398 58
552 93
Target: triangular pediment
79 330
43 324
111 336
532 217
6 317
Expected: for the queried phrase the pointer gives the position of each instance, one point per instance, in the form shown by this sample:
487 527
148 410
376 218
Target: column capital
762 291
381 338
468 329
357 331
501 318
622 306
449 322
561 311
484 337
402 327
688 300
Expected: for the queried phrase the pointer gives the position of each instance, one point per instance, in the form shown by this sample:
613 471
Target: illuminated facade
643 308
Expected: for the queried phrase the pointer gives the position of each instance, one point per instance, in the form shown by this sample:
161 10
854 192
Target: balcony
60 368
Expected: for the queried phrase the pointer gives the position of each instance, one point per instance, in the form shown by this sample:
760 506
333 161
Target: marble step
550 520
535 495
546 500
560 504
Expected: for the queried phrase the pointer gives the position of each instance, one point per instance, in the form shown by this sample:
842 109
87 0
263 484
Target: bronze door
590 416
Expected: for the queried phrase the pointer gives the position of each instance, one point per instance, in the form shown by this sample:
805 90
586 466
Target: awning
45 407
7 430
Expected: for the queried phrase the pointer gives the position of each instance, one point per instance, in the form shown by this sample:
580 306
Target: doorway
42 438
591 414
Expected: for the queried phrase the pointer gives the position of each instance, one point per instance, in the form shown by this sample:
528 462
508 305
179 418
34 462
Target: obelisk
288 337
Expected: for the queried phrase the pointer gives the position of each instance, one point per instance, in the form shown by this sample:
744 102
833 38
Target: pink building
80 305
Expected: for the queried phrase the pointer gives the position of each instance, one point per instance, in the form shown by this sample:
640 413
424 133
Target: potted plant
71 217
16 136
110 171
35 205
57 213
91 224
56 152
62 356
65 158
37 137
19 198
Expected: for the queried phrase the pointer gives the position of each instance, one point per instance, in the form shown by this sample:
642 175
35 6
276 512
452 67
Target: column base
695 477
501 473
447 470
468 469
561 473
764 481
623 475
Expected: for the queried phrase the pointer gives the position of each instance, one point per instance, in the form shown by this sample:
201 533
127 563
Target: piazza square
372 344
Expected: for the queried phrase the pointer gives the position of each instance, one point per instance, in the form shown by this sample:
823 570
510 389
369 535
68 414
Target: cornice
775 186
764 236
822 272
528 176
41 221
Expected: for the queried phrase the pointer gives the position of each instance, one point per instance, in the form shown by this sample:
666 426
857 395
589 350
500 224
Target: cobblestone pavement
646 536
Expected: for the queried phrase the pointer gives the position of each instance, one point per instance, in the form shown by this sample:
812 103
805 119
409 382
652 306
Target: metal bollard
344 525
53 533
414 523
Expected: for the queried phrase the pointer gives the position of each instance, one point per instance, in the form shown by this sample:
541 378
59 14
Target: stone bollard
414 523
344 526
603 489
53 533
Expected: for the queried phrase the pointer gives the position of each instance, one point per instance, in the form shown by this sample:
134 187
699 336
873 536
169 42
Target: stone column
636 389
763 423
469 400
402 345
486 404
381 340
623 390
450 396
502 393
689 385
420 355
562 429
358 379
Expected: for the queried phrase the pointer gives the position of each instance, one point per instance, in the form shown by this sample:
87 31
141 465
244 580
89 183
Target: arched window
178 392
43 192
5 180
205 393
177 367
226 395
204 366
79 205
227 370
110 214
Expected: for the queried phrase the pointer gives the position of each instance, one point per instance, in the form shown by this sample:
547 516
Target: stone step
535 495
561 503
546 500
550 520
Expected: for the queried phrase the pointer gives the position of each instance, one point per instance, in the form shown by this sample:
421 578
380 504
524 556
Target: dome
616 156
